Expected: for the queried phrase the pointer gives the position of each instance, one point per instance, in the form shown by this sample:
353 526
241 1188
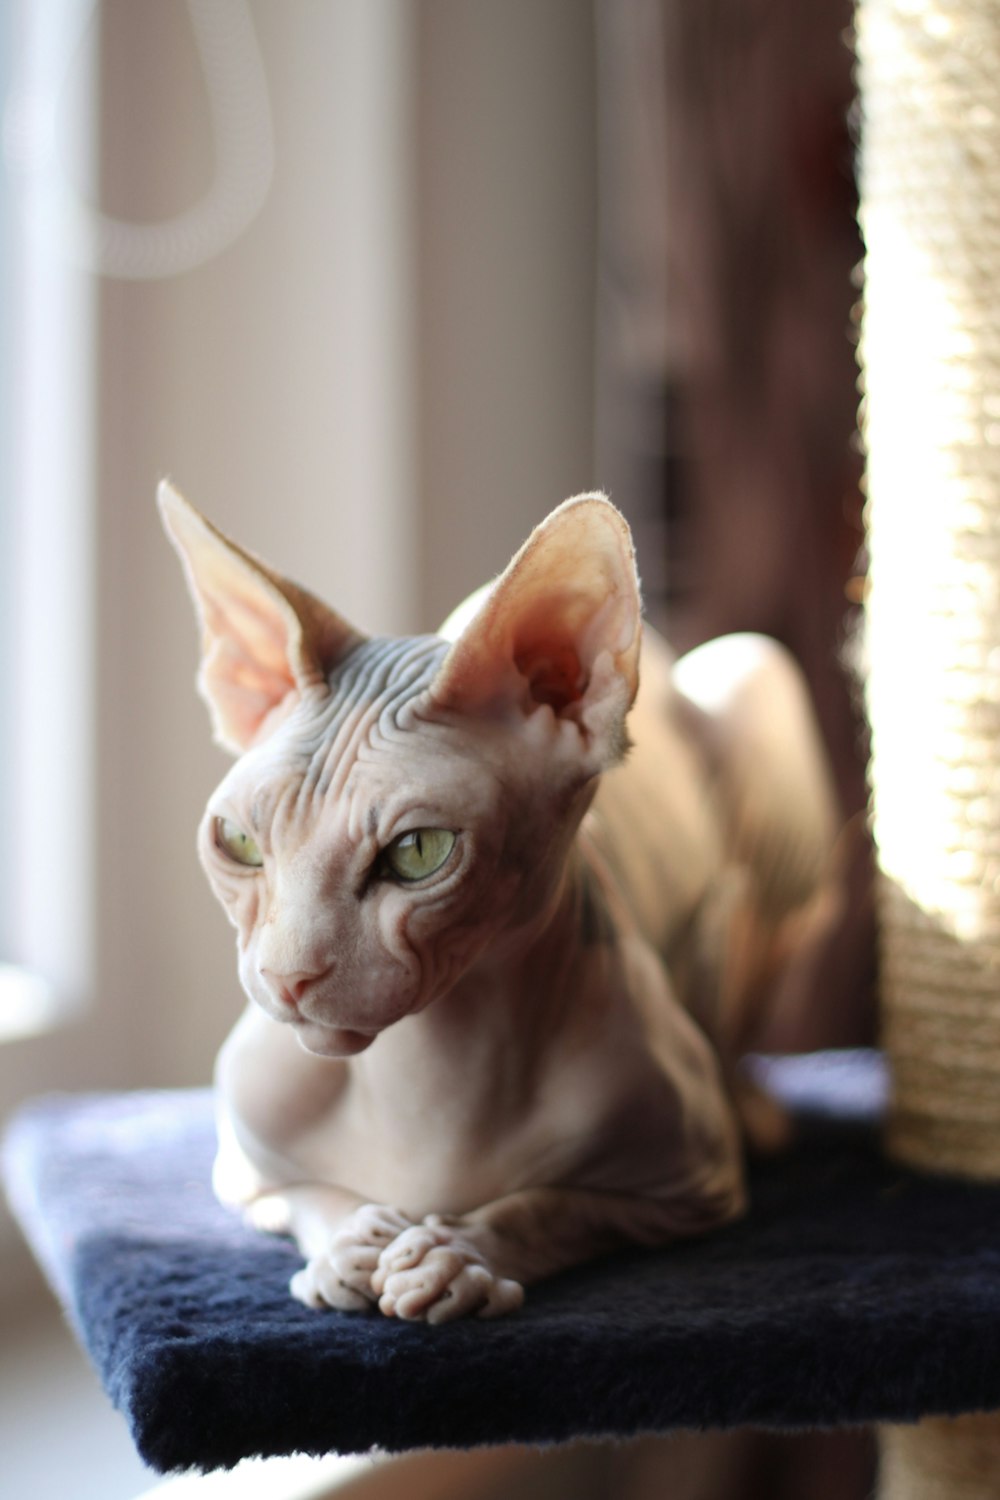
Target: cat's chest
434 1139
426 1152
419 1170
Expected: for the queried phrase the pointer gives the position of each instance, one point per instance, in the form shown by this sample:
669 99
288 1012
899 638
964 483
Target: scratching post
930 88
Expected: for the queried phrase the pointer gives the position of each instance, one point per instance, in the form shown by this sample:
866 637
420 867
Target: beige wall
506 168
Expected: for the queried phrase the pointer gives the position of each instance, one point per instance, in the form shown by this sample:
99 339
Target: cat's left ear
263 637
561 626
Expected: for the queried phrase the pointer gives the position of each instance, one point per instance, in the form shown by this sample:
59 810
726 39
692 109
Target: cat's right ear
262 636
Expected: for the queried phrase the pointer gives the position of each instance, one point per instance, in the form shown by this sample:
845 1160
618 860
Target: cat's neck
511 1010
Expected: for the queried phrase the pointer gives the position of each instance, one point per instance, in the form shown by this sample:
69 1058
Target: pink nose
290 988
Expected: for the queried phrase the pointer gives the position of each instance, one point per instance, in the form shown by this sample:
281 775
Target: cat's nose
291 988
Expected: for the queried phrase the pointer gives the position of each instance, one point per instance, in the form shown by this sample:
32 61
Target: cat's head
399 805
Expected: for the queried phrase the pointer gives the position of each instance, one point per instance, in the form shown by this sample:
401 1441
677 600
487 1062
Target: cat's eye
414 856
238 845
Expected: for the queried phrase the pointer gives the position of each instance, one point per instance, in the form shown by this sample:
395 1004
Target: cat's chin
331 1041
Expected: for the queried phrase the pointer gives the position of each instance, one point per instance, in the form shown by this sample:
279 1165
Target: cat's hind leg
773 790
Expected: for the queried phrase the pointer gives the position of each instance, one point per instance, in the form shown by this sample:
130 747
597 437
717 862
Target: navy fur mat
854 1291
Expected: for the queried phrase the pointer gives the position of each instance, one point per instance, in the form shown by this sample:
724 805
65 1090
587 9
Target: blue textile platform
853 1291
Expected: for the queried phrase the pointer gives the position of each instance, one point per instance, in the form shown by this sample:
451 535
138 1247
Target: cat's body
471 1058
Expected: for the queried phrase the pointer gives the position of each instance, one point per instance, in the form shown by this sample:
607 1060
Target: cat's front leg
479 1264
341 1236
441 1269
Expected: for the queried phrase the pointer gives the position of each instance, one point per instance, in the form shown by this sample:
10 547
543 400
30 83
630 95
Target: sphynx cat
503 949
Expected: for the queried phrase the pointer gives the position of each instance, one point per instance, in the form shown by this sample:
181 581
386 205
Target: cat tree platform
855 1291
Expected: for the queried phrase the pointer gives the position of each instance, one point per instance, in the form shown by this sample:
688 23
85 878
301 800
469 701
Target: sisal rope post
929 73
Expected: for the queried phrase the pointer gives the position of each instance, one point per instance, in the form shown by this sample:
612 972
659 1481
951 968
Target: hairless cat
506 919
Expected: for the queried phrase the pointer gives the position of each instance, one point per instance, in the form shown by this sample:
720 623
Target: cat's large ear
262 636
561 626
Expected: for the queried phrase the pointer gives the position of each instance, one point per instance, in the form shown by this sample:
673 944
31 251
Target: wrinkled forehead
364 713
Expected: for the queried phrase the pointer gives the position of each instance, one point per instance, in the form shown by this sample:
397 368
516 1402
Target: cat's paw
340 1275
435 1271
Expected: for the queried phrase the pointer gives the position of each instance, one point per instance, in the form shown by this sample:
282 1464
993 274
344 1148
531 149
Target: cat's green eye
238 845
414 856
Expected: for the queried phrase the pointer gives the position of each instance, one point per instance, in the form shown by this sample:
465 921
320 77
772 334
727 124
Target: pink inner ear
553 672
257 633
568 601
549 647
246 671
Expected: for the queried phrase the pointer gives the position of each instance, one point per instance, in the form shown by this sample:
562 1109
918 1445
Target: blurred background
378 283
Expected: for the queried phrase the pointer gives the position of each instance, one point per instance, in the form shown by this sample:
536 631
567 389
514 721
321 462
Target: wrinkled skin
448 1087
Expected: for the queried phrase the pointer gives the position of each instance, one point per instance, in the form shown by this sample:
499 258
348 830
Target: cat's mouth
331 1041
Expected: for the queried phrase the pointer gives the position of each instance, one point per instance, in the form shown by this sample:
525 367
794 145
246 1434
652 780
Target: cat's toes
406 1250
340 1276
319 1285
373 1224
476 1291
447 1281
